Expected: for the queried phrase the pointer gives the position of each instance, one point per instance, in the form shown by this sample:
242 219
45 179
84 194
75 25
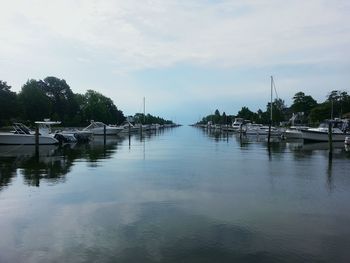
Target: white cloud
101 44
138 35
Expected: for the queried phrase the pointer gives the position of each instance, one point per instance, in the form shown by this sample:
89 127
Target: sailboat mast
269 134
271 100
144 110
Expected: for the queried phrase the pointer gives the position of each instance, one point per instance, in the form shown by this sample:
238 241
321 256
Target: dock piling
330 140
36 139
104 134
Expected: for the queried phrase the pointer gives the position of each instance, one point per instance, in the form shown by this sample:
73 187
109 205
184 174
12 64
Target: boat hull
25 139
320 136
109 131
293 134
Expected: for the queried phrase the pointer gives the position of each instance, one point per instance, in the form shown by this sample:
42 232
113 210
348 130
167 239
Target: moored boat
97 128
22 135
339 130
294 132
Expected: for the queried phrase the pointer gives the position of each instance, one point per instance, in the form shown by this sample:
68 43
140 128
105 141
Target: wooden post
129 134
269 134
330 139
37 139
240 131
104 134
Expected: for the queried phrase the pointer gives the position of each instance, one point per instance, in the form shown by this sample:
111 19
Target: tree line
53 98
304 110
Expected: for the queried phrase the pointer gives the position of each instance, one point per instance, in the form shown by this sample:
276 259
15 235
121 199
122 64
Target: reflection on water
180 195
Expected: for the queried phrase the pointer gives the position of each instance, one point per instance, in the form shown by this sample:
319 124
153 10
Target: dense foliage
8 102
304 109
53 98
149 119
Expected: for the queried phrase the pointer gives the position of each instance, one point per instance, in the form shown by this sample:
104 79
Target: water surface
180 195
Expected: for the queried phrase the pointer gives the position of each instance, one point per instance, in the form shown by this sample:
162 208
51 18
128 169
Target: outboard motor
60 138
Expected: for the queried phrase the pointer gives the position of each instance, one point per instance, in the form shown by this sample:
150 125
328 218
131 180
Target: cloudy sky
187 57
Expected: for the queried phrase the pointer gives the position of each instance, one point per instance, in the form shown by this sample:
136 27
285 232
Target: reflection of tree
51 168
51 164
7 171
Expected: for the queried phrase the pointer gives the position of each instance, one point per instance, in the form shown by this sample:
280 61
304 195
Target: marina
175 195
241 155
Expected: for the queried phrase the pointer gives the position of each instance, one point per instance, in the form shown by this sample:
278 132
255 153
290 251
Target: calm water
181 195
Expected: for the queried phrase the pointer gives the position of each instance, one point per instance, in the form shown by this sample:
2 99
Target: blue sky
187 58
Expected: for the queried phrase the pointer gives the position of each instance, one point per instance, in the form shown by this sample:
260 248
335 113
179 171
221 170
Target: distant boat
236 125
339 132
22 135
128 127
97 128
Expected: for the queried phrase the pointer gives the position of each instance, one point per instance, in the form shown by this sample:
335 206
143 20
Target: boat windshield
94 125
21 128
341 124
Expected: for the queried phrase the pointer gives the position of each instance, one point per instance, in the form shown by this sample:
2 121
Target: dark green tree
98 107
303 103
339 101
64 105
216 117
279 111
8 103
224 119
321 112
247 114
35 105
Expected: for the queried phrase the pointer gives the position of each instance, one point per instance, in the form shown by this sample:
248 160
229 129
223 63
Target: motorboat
321 134
260 130
128 127
77 135
97 128
22 135
294 132
236 125
65 136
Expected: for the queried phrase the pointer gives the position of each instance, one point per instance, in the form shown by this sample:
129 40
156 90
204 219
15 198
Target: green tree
35 105
8 102
279 111
340 102
247 114
63 100
224 118
216 117
321 112
303 103
98 107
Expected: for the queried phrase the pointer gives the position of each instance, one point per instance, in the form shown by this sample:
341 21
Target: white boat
22 135
236 125
97 128
260 130
128 127
294 132
320 134
65 136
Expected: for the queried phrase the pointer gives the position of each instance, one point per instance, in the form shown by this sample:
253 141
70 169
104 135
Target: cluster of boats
340 130
22 135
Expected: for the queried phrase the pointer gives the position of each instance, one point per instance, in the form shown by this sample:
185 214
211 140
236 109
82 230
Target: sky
186 57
